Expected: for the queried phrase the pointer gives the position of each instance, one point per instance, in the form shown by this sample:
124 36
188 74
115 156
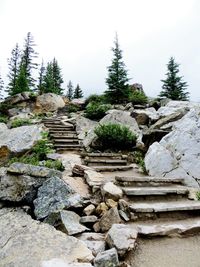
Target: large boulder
83 125
54 196
48 102
28 243
177 154
18 139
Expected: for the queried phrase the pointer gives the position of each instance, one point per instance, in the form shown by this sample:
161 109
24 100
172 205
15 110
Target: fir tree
173 86
1 88
70 91
27 59
41 79
13 65
21 81
53 78
118 89
78 93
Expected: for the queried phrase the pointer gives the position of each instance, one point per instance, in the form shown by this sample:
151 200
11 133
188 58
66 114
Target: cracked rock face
178 153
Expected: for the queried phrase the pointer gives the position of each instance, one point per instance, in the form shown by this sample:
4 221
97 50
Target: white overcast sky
80 34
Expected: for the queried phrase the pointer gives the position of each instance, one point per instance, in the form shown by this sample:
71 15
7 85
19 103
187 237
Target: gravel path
167 252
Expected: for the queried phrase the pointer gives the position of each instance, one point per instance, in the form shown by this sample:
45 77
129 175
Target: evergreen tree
1 88
70 90
27 59
173 86
21 81
78 93
118 89
41 79
13 65
53 78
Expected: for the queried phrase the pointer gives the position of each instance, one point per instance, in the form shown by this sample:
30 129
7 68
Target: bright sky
80 33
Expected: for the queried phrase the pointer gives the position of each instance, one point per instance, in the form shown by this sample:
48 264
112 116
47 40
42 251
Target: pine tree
70 91
53 78
13 65
21 81
173 86
1 88
78 93
41 79
118 89
27 59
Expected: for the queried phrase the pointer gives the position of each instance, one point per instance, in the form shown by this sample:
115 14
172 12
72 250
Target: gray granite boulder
49 102
29 243
108 219
108 258
55 195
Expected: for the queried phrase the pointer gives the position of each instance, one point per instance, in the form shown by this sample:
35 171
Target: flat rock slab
29 243
94 241
165 206
173 228
93 178
112 168
148 179
148 191
122 237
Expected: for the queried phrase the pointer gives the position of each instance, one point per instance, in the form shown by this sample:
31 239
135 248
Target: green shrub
198 195
20 122
42 147
27 159
96 111
3 118
139 159
4 107
54 164
95 98
137 97
115 136
72 108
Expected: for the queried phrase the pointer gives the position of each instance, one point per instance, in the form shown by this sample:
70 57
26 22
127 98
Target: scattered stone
107 258
121 237
36 171
110 190
53 196
89 209
123 205
101 209
93 178
193 193
80 169
88 219
111 203
94 241
108 219
124 215
96 227
71 223
48 102
26 241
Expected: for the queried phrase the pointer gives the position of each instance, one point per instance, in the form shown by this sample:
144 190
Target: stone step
67 136
112 168
105 161
170 228
149 191
147 181
165 206
107 155
66 140
67 146
61 131
71 149
56 127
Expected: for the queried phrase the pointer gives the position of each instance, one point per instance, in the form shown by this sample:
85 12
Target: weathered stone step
105 161
67 146
149 191
155 207
112 168
174 227
107 155
61 131
60 127
147 180
66 140
67 136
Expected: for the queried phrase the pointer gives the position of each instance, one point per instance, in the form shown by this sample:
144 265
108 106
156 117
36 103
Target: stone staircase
106 162
63 134
157 198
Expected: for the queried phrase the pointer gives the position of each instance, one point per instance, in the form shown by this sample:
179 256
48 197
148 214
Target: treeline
22 69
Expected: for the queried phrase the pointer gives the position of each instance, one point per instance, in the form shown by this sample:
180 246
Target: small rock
101 208
122 237
96 227
108 219
88 219
79 169
89 209
111 203
112 191
193 193
124 216
93 178
108 258
123 205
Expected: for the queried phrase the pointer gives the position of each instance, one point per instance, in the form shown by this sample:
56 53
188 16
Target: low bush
72 108
95 98
54 164
3 118
137 97
198 195
20 122
96 111
115 137
139 159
